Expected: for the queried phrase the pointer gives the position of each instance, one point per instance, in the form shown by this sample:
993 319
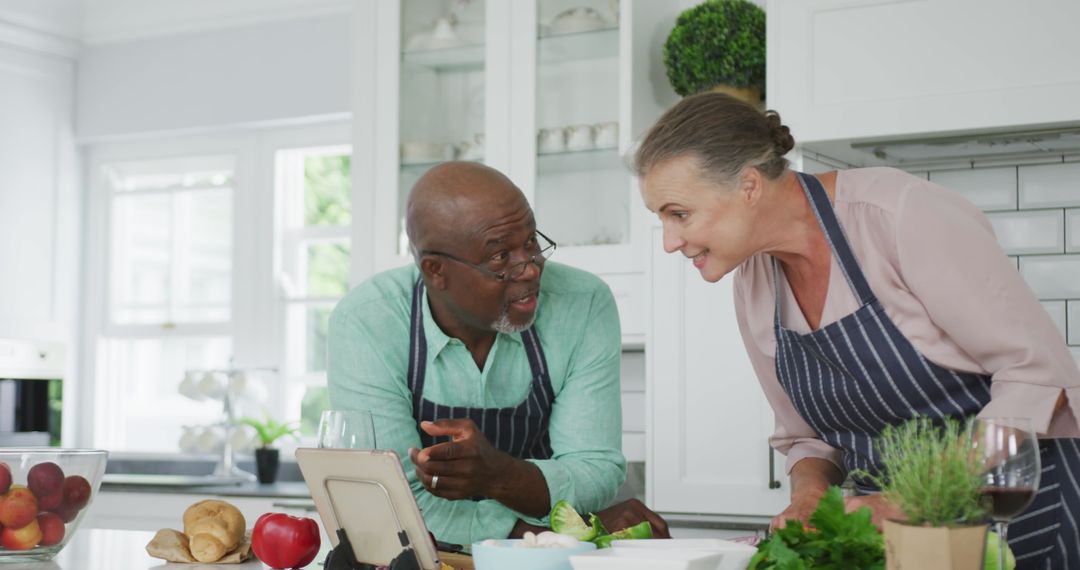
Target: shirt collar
437 339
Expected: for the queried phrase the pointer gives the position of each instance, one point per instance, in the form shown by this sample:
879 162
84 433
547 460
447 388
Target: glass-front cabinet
550 92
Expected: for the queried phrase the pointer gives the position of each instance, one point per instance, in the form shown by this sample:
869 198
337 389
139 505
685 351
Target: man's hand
467 466
630 513
881 508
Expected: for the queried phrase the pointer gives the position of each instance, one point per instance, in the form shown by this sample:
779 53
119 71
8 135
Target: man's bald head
450 203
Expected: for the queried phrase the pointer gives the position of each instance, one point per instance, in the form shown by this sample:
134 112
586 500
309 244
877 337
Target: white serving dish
736 555
615 558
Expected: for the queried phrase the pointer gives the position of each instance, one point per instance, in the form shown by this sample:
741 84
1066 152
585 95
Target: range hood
1035 145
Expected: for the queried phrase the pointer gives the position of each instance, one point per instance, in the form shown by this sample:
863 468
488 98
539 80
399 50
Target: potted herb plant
267 458
932 475
718 45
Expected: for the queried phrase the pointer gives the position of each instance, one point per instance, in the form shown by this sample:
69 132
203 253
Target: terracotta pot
930 548
751 95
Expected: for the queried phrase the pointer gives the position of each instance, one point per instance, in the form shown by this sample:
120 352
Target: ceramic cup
551 140
189 439
444 34
606 135
189 386
212 385
579 137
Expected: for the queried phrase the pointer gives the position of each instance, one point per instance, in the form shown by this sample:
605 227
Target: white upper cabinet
858 69
550 92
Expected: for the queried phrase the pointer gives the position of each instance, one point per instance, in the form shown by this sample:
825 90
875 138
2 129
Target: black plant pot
267 461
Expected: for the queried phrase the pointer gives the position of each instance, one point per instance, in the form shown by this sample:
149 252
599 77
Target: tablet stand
343 558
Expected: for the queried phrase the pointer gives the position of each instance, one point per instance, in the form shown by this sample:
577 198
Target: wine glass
1009 451
350 429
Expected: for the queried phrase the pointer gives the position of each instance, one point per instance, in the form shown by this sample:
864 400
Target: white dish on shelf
579 137
581 19
414 152
648 559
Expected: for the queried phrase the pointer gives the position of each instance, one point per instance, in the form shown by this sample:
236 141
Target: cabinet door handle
773 482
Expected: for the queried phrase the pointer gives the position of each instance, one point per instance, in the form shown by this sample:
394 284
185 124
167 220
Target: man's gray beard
503 324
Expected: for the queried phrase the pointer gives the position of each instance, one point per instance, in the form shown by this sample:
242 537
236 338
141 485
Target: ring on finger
434 482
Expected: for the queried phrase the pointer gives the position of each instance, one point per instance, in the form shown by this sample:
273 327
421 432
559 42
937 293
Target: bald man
493 372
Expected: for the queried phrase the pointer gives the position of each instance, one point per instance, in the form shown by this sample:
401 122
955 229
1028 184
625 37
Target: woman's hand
800 509
881 508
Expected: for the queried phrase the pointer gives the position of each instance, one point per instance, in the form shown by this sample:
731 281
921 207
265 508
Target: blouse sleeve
953 264
793 436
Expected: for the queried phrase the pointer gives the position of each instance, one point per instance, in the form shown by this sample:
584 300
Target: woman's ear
751 185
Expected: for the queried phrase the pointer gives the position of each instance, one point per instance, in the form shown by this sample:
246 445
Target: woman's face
708 223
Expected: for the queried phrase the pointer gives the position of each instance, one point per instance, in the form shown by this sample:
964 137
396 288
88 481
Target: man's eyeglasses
515 270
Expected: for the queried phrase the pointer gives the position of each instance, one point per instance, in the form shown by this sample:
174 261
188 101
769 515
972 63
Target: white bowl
506 556
736 555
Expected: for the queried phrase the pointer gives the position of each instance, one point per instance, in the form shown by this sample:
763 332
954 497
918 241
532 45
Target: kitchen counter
279 490
95 549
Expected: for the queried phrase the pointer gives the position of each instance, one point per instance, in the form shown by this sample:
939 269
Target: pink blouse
933 261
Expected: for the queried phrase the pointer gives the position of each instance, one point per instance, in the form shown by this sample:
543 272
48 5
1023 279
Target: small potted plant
718 45
267 459
933 476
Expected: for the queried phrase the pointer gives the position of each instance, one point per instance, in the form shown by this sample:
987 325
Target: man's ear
751 185
432 267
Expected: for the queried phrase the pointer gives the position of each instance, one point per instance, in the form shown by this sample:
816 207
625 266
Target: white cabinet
39 201
856 69
550 92
708 420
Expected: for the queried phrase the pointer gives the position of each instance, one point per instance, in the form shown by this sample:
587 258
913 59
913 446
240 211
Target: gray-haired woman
865 297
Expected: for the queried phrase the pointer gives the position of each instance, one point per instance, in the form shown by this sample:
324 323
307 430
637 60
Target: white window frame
256 326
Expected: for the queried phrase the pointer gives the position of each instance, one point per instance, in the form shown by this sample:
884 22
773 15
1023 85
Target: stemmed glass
1009 451
350 429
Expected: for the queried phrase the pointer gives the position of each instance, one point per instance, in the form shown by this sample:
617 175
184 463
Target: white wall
268 72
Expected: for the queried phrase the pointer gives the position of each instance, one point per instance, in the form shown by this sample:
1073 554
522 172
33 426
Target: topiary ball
718 42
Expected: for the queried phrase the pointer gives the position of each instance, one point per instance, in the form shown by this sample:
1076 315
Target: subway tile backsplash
1049 185
1035 211
990 189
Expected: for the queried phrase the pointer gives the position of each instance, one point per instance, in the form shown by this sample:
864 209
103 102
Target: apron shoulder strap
834 234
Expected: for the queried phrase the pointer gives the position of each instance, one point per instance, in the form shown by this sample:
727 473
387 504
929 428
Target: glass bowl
44 495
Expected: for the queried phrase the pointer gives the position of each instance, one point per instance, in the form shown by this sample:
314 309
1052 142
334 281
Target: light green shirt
578 326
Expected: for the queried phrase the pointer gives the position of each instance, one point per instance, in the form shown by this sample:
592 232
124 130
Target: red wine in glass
1007 502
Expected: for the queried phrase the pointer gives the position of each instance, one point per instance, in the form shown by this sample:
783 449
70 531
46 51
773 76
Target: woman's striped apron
855 376
521 431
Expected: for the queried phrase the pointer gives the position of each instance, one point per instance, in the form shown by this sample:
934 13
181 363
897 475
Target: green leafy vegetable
837 540
566 520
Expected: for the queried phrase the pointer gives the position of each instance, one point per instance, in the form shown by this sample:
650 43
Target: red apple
52 528
17 507
51 502
5 478
45 478
66 513
23 538
76 492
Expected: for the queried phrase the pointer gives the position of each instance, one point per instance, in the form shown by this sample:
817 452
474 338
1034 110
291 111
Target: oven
31 393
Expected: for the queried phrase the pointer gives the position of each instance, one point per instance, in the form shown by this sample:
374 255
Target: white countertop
96 549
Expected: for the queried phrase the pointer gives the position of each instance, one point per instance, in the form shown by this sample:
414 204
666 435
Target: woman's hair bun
781 135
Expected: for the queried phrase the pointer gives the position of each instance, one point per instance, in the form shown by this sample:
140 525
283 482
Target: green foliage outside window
327 181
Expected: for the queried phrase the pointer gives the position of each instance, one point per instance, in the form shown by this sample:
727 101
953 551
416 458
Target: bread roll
214 527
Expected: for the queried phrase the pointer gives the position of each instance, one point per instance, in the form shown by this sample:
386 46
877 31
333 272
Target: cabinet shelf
593 44
461 58
578 161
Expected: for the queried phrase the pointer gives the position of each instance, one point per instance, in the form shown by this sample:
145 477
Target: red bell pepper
283 541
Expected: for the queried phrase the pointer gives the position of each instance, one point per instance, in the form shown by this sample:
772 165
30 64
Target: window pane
326 190
316 399
327 269
203 256
141 255
318 321
137 405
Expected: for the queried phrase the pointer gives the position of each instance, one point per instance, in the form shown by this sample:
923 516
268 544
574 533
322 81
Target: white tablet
365 493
